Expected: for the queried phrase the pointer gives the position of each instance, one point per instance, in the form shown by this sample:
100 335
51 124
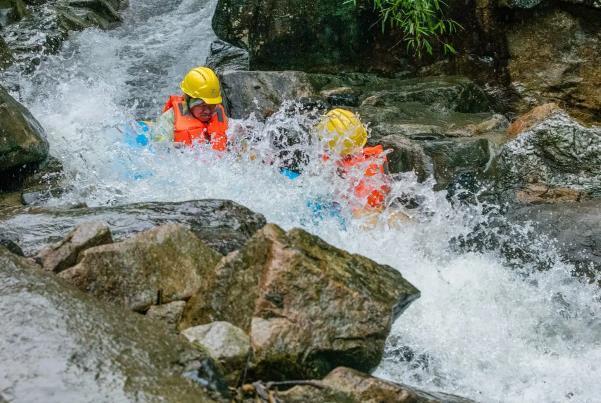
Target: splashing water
480 329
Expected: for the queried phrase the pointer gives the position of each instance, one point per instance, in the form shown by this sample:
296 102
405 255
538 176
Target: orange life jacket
187 129
372 185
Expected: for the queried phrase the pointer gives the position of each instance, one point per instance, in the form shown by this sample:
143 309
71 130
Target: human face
203 112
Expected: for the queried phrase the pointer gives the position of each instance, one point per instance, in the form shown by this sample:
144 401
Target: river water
480 329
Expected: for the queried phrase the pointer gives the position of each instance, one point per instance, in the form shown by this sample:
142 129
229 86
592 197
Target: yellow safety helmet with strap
202 82
343 131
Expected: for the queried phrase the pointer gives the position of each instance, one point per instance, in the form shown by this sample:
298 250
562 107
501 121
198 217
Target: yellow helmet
343 131
202 82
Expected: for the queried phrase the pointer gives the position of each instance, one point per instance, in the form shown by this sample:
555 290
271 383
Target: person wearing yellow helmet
197 115
344 137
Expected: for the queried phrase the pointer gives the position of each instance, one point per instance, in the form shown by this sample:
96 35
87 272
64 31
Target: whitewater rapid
480 329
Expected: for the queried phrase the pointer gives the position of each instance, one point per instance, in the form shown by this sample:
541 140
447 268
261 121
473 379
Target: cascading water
480 329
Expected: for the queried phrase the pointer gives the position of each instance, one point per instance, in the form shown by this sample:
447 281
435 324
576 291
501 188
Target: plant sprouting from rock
422 22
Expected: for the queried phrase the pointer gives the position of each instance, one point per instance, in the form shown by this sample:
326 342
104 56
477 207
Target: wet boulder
307 306
61 345
556 154
576 228
221 224
263 92
351 386
226 343
22 140
161 265
82 14
65 254
457 94
226 57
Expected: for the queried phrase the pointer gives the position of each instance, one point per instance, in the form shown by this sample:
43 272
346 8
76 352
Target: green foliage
421 21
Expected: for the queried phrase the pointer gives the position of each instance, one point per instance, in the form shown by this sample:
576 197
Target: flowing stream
480 329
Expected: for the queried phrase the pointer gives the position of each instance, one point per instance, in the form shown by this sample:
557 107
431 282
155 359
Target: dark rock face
22 139
60 345
283 35
226 57
221 224
554 57
307 306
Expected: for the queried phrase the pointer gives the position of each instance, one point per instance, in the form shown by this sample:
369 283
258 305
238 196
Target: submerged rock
226 343
65 254
221 224
60 345
307 306
22 140
351 386
576 227
161 265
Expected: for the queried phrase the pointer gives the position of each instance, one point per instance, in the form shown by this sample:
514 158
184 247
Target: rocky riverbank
284 307
204 300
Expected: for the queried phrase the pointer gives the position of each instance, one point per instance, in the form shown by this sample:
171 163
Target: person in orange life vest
195 116
365 167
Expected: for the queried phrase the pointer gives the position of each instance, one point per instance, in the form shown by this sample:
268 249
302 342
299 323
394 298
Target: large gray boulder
161 265
557 153
61 345
221 224
263 92
22 138
307 306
